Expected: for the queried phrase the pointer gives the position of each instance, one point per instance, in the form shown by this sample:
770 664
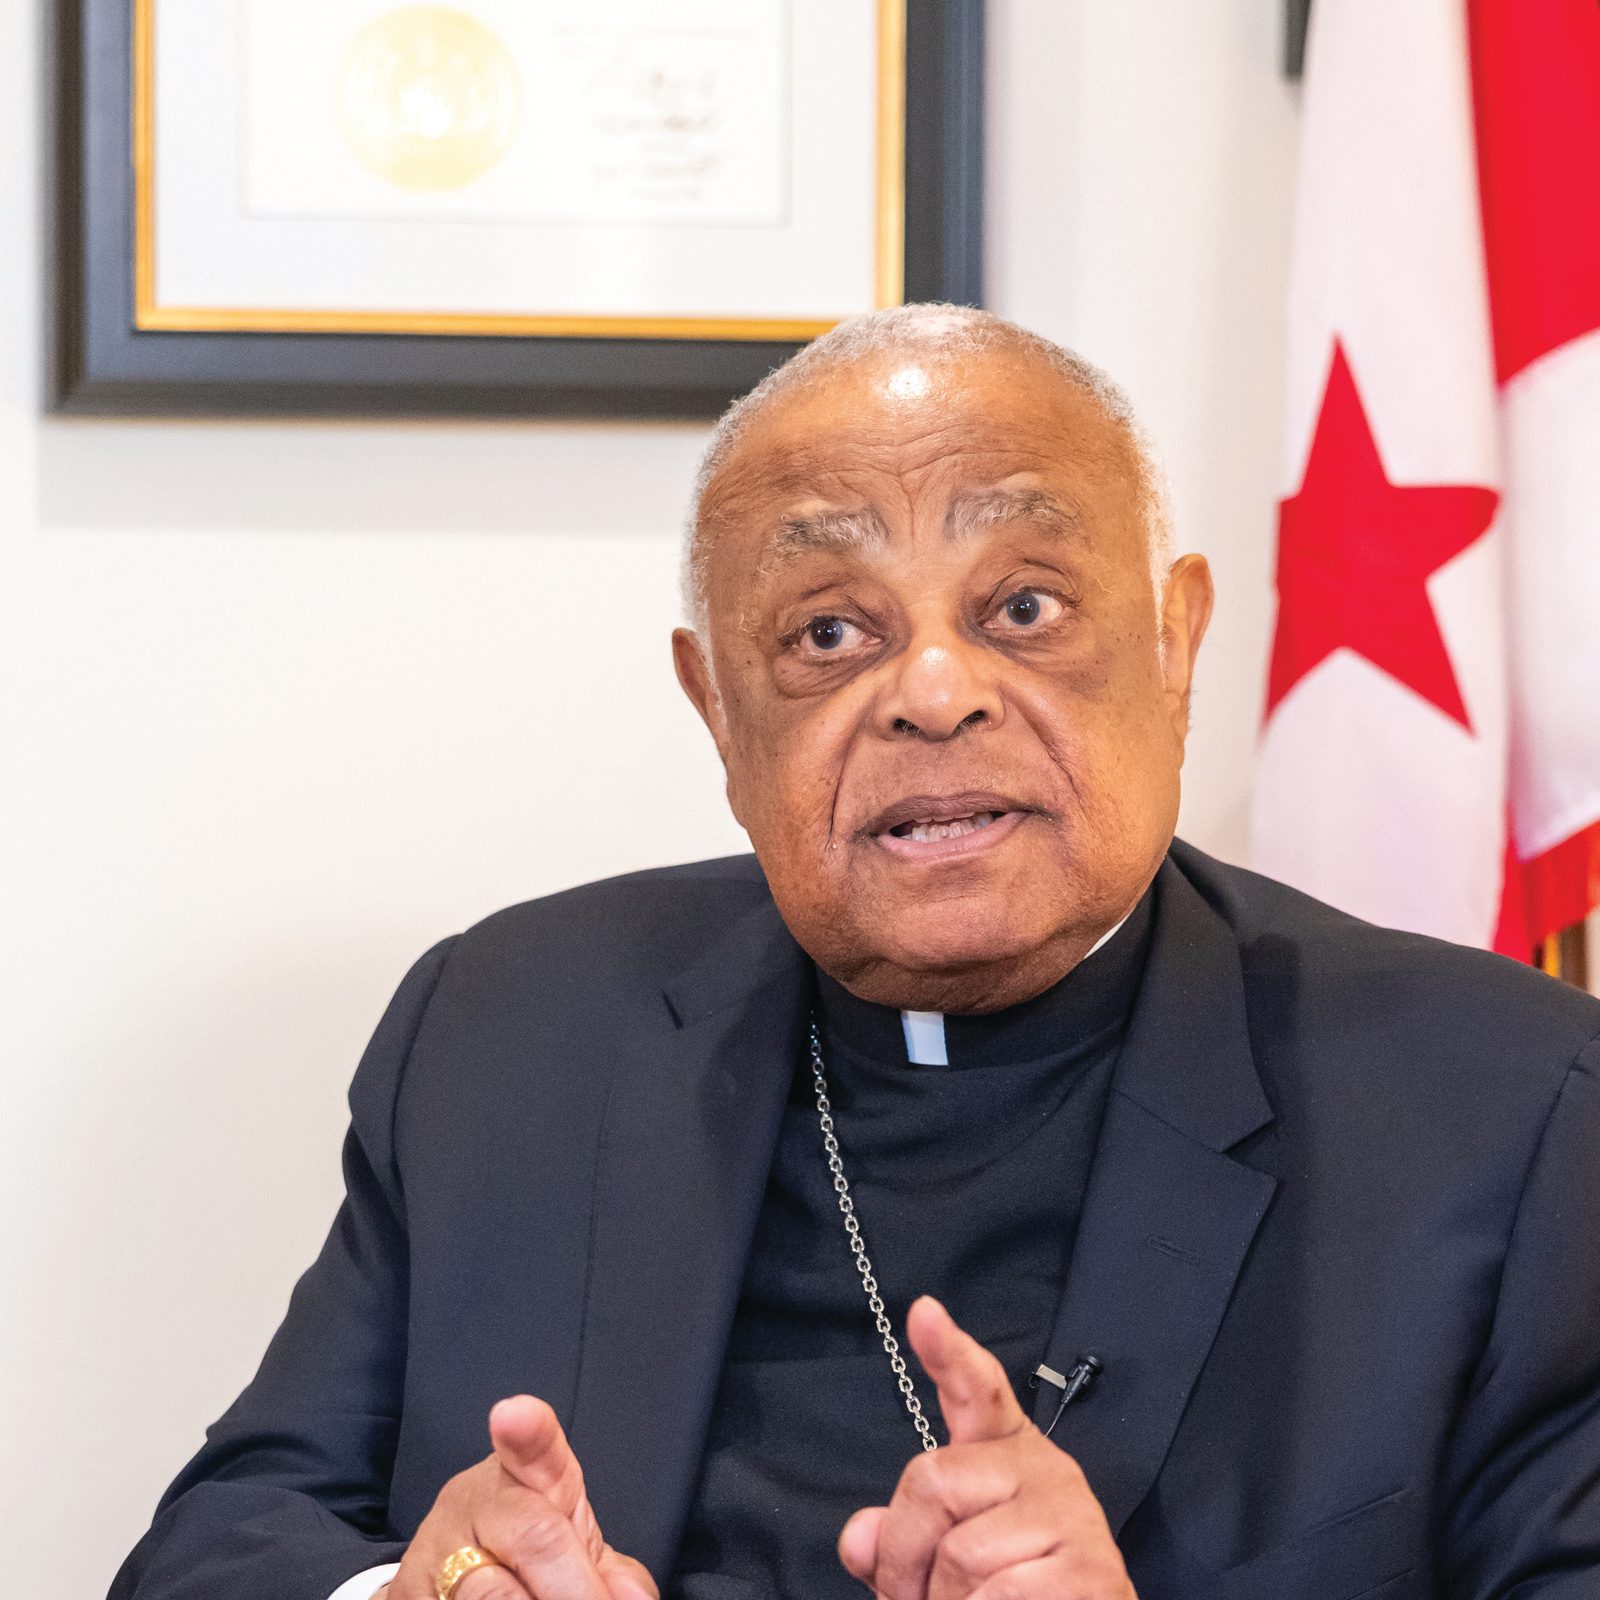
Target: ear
694 673
1185 613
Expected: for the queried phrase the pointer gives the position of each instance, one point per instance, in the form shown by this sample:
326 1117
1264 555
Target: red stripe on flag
1549 894
1562 886
1536 88
1536 83
1511 936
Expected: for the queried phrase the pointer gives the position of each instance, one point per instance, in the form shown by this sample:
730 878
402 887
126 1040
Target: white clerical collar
925 1046
924 1030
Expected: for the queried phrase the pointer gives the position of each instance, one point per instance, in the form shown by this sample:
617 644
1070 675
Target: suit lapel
687 1141
1168 1216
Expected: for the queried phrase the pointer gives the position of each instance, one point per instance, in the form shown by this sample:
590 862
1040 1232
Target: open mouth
930 832
928 827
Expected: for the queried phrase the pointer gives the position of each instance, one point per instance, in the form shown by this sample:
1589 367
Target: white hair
943 332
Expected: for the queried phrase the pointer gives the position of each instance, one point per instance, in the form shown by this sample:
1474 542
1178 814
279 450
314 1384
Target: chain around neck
858 1249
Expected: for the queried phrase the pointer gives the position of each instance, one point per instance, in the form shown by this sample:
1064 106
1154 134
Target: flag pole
1565 955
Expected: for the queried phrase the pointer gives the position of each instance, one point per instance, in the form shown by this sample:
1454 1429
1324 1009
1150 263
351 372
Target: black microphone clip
1085 1369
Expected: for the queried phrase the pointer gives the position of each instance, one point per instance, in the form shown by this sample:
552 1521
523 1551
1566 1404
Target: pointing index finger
975 1395
532 1447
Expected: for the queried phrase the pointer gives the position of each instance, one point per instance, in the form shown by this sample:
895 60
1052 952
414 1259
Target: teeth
932 832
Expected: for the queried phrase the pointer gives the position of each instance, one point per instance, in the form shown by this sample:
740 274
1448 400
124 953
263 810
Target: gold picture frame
888 267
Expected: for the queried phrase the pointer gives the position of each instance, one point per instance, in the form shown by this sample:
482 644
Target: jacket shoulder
1427 996
537 999
635 929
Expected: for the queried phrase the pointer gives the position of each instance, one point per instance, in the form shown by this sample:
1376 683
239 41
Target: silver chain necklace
858 1249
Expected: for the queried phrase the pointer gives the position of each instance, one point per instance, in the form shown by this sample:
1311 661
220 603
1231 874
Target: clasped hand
999 1513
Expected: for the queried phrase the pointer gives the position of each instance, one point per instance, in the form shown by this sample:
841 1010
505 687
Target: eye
830 635
1027 608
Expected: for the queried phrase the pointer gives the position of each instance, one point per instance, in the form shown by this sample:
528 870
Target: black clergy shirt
967 1180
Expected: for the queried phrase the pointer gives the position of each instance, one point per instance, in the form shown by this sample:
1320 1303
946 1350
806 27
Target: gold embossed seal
428 97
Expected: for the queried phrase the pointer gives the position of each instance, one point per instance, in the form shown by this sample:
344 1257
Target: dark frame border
1297 23
105 366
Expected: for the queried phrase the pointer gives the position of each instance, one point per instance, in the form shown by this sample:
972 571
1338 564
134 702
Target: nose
941 686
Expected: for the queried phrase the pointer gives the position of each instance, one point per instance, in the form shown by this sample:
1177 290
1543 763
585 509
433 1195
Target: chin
944 940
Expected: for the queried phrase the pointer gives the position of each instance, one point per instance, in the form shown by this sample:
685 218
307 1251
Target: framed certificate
500 206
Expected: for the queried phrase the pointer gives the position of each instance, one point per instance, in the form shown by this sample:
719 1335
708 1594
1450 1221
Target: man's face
939 691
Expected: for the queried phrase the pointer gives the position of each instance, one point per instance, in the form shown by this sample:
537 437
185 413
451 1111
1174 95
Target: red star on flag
1355 552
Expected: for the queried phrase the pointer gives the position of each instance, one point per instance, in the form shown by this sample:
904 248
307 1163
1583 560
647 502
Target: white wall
283 703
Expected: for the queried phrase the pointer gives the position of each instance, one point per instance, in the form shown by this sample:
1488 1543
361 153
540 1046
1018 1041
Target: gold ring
467 1559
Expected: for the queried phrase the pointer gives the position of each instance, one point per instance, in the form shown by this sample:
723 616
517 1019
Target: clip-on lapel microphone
1085 1369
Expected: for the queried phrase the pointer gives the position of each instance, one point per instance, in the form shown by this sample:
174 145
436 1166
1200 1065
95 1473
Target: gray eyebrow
969 514
988 508
830 530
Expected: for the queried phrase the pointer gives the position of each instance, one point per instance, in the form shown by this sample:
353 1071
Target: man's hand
525 1505
999 1513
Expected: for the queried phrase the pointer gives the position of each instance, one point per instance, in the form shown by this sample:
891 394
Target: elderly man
974 1194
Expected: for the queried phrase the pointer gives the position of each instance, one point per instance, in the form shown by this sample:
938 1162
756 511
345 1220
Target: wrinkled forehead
902 433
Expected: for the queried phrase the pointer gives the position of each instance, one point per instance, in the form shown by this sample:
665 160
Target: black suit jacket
1340 1251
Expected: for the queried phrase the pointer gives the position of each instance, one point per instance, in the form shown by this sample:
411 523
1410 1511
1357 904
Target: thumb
858 1543
625 1578
974 1392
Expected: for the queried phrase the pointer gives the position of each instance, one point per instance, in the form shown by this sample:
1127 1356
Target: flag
1431 752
